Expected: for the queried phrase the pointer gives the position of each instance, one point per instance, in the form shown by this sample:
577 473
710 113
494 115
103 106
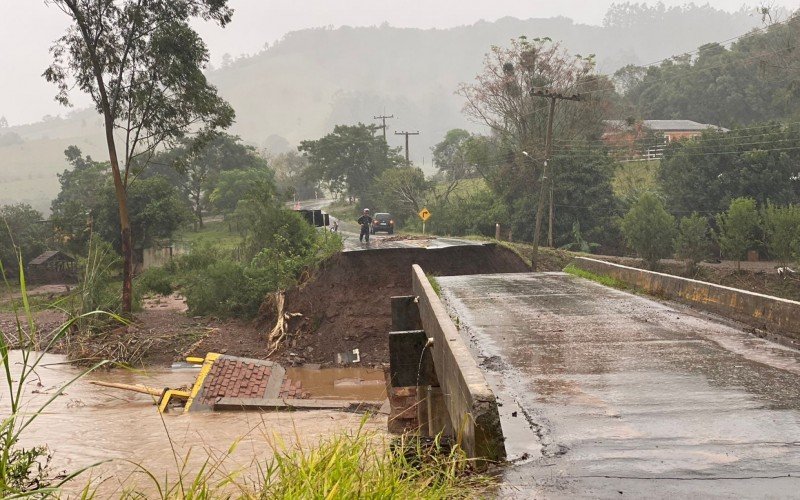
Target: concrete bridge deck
609 394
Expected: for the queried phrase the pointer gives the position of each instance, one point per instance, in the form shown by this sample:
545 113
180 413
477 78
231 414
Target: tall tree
401 191
82 192
235 185
157 211
349 159
289 169
452 155
705 174
23 233
501 96
194 166
141 63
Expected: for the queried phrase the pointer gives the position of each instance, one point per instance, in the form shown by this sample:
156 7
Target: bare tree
501 96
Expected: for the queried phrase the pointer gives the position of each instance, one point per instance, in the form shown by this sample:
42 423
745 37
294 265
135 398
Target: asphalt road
606 394
349 231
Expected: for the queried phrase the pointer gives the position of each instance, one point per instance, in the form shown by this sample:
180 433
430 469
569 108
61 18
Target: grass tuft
603 280
434 284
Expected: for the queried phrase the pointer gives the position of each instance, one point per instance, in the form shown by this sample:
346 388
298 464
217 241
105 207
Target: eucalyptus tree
141 63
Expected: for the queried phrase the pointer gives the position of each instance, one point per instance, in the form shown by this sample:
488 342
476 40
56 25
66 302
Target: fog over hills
313 79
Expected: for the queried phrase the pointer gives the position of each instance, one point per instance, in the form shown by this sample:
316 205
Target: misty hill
313 79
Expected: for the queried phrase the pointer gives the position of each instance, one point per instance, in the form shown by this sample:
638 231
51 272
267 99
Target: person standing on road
365 221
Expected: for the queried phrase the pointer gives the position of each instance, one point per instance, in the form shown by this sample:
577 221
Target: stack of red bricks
292 390
235 379
238 378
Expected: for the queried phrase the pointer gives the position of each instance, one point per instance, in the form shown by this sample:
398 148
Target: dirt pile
346 305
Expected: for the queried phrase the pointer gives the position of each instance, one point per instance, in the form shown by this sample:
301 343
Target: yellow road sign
424 214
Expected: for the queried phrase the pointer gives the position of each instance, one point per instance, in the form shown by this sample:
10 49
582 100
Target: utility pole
408 162
548 144
383 120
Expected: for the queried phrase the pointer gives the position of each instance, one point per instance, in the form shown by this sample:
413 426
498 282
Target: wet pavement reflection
607 393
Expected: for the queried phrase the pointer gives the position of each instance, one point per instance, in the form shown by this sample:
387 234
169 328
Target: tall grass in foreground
344 466
359 466
26 472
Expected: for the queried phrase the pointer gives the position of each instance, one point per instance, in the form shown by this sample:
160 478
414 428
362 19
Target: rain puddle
90 424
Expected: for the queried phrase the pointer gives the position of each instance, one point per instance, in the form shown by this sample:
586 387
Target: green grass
343 466
216 233
361 466
434 284
603 280
343 210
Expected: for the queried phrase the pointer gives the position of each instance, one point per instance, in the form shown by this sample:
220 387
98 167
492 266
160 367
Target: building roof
669 125
675 125
50 255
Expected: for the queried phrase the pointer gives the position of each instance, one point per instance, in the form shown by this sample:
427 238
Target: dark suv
383 222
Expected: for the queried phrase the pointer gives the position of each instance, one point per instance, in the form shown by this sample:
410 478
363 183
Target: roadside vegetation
342 466
215 208
603 280
360 465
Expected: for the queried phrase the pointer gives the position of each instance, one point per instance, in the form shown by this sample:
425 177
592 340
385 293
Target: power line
408 162
548 145
383 120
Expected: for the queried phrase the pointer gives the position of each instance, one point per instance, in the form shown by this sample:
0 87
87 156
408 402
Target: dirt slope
346 305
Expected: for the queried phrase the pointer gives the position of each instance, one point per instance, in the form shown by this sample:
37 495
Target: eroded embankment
346 303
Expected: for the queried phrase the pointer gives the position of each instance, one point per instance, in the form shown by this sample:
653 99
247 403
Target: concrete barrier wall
773 314
469 401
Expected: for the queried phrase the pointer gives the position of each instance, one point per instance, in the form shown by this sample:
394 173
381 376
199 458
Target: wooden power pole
408 162
548 145
383 118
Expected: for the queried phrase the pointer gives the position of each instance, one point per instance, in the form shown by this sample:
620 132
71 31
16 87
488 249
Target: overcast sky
27 28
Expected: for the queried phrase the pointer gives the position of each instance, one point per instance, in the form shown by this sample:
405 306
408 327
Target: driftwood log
142 389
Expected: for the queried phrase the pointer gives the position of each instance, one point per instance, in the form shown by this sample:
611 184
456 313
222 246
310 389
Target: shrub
221 289
649 230
693 240
738 227
782 227
156 280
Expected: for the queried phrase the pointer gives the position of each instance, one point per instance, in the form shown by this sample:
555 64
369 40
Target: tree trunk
120 189
120 186
198 210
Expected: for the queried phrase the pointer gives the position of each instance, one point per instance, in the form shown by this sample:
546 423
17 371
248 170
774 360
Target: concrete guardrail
467 397
773 314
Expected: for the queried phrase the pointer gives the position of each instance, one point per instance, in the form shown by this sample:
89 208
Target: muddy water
357 384
90 424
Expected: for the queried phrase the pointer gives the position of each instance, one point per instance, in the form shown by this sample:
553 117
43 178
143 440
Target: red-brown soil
346 303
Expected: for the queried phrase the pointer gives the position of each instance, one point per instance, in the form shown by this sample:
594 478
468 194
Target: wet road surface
349 231
609 394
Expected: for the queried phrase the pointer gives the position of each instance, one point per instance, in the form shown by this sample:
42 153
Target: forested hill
316 78
312 79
